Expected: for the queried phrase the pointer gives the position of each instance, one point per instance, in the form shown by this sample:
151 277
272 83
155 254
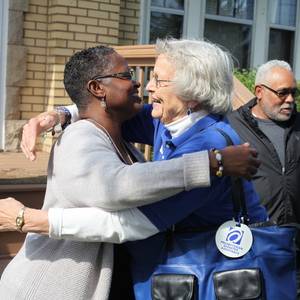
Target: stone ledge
16 169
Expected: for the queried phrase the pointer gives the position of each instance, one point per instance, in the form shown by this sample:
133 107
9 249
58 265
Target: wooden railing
142 58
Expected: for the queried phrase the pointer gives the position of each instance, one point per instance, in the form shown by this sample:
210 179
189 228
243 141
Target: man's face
274 100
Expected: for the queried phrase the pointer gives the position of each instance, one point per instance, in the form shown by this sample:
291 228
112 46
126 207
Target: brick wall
35 39
129 22
53 31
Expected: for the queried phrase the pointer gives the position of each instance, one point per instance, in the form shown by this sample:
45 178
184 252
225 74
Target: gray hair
204 72
264 69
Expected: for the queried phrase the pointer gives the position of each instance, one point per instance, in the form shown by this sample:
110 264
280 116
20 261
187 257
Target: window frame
293 29
234 20
146 17
193 27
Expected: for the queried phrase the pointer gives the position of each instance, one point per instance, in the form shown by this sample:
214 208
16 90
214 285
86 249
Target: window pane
283 12
176 4
234 37
165 25
281 45
241 9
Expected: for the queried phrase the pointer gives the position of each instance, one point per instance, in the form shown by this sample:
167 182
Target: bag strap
238 194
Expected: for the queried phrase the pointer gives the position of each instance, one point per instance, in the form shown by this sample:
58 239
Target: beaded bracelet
218 155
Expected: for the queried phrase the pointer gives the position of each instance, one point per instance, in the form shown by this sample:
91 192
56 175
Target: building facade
38 36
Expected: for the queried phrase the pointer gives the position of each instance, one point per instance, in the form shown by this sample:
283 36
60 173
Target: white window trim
4 4
195 16
167 10
228 19
283 27
260 34
145 13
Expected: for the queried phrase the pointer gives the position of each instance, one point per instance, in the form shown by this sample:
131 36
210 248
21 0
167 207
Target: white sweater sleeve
96 225
90 173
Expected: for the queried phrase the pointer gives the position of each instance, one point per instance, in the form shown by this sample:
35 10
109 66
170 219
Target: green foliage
247 78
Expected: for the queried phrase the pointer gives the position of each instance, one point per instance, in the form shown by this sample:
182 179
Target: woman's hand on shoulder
33 128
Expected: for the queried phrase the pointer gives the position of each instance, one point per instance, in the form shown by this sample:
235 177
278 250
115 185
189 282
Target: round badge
234 240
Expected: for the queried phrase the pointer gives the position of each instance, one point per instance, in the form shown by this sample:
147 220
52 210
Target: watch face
19 221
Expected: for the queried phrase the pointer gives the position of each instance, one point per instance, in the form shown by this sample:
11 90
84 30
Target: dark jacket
278 188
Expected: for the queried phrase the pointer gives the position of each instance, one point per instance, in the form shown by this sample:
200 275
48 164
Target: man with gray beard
271 124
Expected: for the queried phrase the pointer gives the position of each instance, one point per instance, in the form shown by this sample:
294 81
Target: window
254 31
229 23
283 12
235 9
282 18
166 19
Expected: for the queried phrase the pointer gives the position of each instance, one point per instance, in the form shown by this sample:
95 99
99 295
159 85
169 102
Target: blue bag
272 256
185 264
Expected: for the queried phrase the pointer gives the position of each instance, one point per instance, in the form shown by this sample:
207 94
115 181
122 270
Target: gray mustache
289 106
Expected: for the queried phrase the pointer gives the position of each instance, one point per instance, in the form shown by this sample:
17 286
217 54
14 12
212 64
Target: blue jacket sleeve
204 206
140 129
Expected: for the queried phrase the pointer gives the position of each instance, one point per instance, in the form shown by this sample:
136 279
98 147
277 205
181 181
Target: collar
178 127
200 125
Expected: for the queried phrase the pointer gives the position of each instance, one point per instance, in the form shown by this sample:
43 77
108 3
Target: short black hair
82 67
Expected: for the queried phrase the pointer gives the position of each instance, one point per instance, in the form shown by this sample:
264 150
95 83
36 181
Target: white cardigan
84 171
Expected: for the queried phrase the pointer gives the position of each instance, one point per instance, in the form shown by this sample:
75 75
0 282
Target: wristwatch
20 219
63 110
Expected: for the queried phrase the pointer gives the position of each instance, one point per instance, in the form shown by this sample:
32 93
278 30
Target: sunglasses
283 93
129 75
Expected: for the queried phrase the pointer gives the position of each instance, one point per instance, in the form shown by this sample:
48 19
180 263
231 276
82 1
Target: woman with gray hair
191 90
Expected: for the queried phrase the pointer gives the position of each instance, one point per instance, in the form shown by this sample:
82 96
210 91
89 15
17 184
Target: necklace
125 156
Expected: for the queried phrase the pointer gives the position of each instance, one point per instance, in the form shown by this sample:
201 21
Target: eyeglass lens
285 92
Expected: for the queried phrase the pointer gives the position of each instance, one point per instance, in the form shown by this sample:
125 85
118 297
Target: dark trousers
121 287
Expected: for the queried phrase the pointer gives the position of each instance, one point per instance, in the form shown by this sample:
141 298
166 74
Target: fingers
48 121
29 135
246 144
252 150
33 129
240 161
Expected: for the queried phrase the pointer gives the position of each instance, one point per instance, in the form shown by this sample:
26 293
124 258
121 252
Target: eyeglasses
283 93
129 75
159 81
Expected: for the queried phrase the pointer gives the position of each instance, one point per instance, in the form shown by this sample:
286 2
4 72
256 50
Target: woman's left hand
9 209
